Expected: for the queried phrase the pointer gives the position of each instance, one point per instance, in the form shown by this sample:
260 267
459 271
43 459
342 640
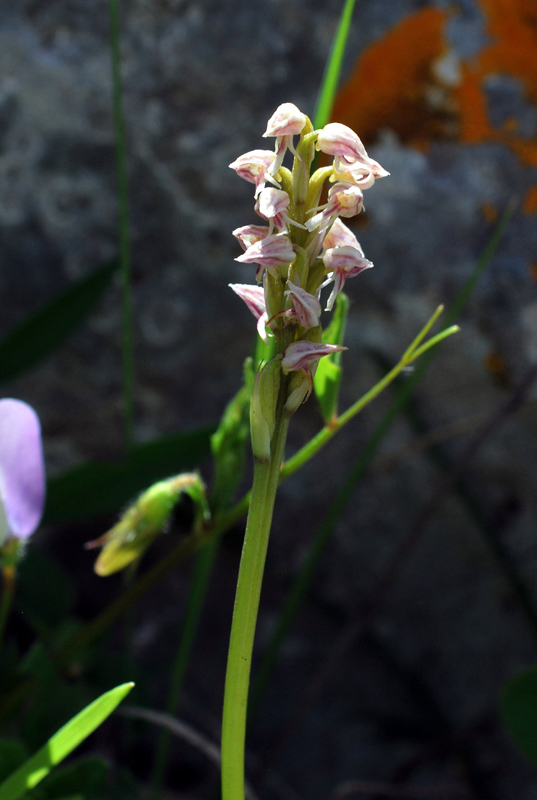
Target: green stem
265 484
7 598
124 232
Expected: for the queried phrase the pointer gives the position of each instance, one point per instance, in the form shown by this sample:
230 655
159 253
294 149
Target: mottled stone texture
200 81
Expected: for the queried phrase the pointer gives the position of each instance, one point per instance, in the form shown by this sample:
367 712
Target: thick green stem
265 484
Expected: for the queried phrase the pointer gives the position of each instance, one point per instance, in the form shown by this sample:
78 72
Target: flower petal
22 469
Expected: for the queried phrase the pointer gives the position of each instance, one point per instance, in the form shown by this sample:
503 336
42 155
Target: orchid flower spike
22 470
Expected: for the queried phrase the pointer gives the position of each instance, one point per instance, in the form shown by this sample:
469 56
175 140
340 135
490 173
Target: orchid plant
303 248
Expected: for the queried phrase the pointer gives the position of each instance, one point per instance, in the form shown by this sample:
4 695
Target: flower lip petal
22 469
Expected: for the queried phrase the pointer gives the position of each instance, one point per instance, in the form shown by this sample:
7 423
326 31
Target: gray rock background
200 81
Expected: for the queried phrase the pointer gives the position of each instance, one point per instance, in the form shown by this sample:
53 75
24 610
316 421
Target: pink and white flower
339 236
253 167
254 297
248 235
305 356
351 163
270 253
286 122
307 308
343 262
344 200
272 205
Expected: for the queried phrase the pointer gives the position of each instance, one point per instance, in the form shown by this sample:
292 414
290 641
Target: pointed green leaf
327 379
99 487
330 80
229 441
62 743
47 328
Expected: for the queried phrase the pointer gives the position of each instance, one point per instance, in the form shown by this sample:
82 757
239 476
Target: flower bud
263 408
142 523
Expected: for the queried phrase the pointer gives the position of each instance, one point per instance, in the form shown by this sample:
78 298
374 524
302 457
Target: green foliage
229 441
327 379
41 333
63 742
98 487
332 72
45 593
518 707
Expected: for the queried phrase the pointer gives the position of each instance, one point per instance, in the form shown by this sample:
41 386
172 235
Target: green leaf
99 487
332 71
62 743
86 777
47 328
45 592
12 754
228 444
518 707
326 384
327 379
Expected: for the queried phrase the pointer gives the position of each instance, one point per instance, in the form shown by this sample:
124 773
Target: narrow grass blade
62 743
403 395
40 334
124 228
329 85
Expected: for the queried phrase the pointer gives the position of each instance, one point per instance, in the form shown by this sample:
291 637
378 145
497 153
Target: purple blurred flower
22 470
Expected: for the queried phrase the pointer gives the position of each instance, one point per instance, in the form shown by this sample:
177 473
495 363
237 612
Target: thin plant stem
265 484
124 230
8 591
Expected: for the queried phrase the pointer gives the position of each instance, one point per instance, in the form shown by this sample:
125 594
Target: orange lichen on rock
490 212
512 26
530 201
396 82
390 84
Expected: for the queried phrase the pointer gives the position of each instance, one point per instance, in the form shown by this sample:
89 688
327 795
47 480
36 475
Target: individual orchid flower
272 205
286 122
304 355
22 471
248 235
307 308
253 167
343 262
270 253
344 200
254 297
339 236
351 163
